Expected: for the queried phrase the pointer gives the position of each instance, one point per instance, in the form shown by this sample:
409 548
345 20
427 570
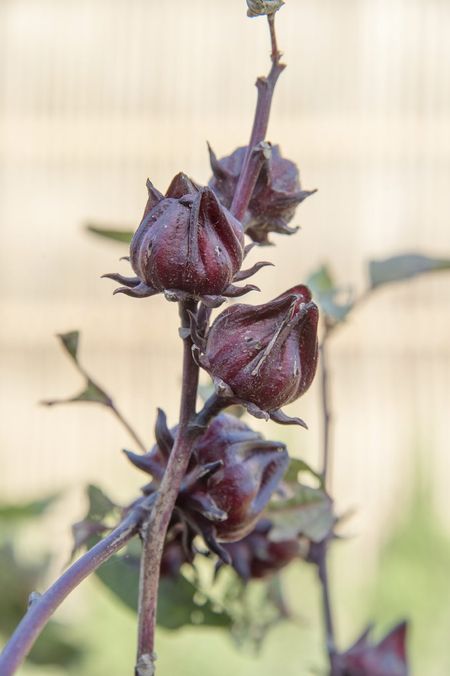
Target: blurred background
98 95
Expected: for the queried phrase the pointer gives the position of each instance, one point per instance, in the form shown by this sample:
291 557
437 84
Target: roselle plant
215 488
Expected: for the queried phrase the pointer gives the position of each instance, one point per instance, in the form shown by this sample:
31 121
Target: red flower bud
275 198
186 244
256 556
386 658
232 475
265 355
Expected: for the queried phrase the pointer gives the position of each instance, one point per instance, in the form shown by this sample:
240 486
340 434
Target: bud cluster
232 474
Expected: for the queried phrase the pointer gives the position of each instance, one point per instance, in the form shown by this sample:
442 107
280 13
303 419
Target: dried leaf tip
263 7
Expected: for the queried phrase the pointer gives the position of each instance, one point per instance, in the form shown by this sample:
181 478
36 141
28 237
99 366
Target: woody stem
153 535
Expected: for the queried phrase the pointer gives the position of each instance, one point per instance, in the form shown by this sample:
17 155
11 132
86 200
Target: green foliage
328 295
91 392
20 579
307 511
123 236
402 267
179 600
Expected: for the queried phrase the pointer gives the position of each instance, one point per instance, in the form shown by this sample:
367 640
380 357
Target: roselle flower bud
232 475
275 198
256 556
265 356
386 658
187 244
178 549
261 7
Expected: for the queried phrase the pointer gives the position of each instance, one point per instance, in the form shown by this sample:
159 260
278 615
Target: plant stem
155 531
325 405
250 167
322 563
127 426
322 568
42 609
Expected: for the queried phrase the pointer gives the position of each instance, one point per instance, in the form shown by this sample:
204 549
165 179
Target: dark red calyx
187 245
231 477
275 198
265 355
386 658
256 556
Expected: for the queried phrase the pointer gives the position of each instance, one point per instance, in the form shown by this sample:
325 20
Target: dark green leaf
70 343
124 236
307 512
399 268
176 604
26 510
54 647
327 294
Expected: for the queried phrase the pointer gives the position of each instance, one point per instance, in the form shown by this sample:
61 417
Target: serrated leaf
176 604
405 266
307 512
124 236
296 466
26 510
70 342
326 293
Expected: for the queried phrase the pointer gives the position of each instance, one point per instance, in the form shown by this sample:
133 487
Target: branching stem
42 609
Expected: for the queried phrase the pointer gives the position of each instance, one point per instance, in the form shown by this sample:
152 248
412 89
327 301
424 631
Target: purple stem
155 531
252 165
42 609
322 563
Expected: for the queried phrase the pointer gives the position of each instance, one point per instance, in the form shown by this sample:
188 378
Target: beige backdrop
96 95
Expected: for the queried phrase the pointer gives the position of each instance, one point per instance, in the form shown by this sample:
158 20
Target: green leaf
70 343
326 293
307 512
26 510
296 466
17 581
399 268
100 505
179 601
91 393
124 236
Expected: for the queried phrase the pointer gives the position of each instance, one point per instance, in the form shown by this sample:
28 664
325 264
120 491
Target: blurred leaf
17 581
70 343
326 293
124 236
91 393
307 512
296 466
26 510
100 505
94 393
398 268
88 530
54 647
176 604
